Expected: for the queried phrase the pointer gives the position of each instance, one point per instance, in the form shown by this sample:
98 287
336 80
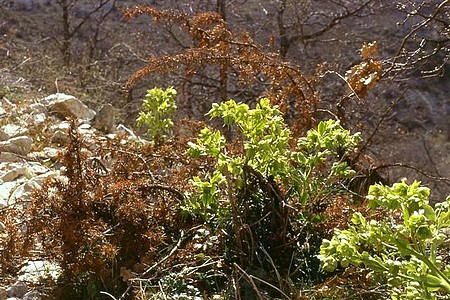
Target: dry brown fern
234 59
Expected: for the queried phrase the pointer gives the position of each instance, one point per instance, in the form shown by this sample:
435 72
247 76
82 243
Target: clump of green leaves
406 246
265 144
307 170
321 160
158 110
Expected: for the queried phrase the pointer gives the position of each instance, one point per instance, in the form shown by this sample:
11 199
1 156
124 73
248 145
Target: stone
12 172
123 129
37 108
63 126
51 153
9 131
6 189
68 107
8 157
24 191
18 289
104 120
85 129
20 145
32 295
35 271
37 119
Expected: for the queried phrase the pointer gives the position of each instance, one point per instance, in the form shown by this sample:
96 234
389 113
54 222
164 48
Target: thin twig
250 281
368 141
177 193
174 249
402 165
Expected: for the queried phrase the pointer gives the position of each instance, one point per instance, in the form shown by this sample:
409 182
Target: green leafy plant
265 149
308 171
406 246
158 109
257 183
321 159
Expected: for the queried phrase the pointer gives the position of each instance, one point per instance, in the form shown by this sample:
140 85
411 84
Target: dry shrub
115 209
237 60
13 247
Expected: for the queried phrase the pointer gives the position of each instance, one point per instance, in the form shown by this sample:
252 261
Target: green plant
329 145
158 109
258 184
265 149
406 246
309 171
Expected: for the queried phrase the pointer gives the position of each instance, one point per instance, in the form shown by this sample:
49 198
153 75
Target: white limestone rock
37 119
33 271
9 131
122 129
20 145
68 107
6 189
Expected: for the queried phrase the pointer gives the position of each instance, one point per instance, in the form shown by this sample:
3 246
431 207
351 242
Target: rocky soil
31 135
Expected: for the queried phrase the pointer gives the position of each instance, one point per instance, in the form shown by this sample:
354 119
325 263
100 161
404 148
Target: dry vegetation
116 225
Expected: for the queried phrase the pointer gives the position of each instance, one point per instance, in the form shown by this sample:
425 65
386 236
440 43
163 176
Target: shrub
106 216
403 243
258 188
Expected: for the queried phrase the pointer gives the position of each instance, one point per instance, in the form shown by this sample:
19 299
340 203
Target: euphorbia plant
309 170
406 246
158 110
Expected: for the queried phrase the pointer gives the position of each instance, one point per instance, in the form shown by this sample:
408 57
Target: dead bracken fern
363 76
110 214
235 56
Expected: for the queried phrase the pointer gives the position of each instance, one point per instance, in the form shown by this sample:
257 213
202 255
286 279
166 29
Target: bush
403 243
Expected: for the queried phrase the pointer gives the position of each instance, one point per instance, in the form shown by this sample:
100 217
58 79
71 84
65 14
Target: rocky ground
31 135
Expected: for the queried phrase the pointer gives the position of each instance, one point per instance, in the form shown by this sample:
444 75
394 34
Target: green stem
434 269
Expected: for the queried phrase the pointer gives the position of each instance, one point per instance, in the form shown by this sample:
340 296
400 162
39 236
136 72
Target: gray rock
12 171
9 131
123 129
24 191
68 107
20 145
32 295
37 108
8 157
104 120
18 289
